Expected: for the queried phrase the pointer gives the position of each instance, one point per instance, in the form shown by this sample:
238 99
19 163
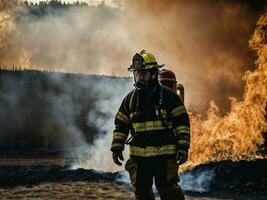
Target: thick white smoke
98 156
190 181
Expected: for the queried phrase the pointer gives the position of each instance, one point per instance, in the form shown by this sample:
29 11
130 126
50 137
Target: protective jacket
158 121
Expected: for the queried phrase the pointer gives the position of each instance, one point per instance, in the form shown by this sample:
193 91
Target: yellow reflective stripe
119 135
178 111
150 126
122 117
183 129
153 151
163 112
183 142
116 145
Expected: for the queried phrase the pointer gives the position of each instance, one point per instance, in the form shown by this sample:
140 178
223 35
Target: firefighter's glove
182 158
117 157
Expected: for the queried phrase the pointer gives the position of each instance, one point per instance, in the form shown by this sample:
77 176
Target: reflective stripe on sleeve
117 146
120 135
122 117
178 111
164 113
183 129
183 142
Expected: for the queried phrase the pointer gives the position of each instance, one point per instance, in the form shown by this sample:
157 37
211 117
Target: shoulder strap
133 104
159 107
134 101
129 104
165 121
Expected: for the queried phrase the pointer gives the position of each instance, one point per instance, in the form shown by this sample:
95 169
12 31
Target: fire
238 134
6 20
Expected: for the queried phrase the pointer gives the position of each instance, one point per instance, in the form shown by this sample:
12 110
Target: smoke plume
58 111
6 21
207 50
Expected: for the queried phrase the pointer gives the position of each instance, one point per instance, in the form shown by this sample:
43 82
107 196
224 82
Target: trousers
165 174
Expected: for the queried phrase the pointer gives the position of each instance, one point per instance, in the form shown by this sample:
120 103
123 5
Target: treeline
54 4
17 69
44 8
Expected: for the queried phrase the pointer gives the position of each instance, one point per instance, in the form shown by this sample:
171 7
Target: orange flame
238 134
6 20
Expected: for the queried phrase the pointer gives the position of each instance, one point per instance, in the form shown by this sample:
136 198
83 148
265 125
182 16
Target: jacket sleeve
122 127
180 120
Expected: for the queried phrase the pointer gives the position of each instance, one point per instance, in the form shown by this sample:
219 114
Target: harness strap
136 109
173 133
131 106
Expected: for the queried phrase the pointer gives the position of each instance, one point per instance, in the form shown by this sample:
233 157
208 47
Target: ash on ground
226 179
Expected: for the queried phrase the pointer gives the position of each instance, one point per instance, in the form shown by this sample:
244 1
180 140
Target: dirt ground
72 190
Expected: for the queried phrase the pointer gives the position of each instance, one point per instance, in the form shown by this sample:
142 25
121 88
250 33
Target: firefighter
158 123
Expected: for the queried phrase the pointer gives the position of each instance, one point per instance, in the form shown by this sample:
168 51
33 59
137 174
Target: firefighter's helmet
144 61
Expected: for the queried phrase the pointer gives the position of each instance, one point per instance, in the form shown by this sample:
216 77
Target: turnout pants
166 177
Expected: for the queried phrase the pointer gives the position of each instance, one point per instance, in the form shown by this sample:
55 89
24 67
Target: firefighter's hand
117 157
182 158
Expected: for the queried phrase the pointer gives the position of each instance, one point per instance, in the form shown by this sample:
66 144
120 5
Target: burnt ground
43 178
12 176
241 180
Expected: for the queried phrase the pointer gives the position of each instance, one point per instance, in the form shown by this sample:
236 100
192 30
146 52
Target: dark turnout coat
158 121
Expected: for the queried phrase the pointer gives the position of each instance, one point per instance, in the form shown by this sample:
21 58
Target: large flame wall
238 134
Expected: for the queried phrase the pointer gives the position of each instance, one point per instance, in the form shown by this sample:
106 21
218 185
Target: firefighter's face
143 75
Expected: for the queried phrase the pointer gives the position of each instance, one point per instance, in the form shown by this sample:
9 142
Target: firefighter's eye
142 75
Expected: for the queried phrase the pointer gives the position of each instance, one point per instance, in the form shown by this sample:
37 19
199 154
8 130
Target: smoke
208 54
6 21
198 45
98 155
198 181
74 40
59 111
190 180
